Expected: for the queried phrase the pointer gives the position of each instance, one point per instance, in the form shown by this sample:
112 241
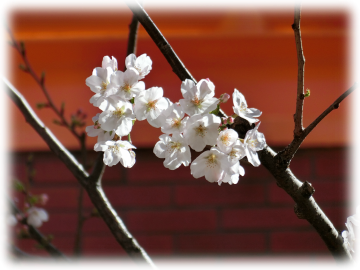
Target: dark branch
284 157
306 207
177 66
37 236
298 117
23 256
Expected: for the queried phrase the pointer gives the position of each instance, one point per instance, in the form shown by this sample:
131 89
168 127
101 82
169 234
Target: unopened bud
43 199
230 120
224 97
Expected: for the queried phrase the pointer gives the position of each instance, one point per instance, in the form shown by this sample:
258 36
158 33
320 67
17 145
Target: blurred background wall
170 212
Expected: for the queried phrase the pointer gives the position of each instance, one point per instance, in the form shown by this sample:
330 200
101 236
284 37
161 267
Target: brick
291 242
219 195
127 197
112 174
107 246
261 218
222 243
50 171
278 195
331 191
328 165
186 263
256 173
63 198
324 192
95 225
60 223
29 246
171 221
154 172
301 167
268 262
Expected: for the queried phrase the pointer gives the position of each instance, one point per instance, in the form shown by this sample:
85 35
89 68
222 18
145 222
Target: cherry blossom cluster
351 224
190 122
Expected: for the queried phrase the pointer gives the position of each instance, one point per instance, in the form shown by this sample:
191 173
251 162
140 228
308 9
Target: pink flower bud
26 205
223 121
224 97
44 199
208 79
230 120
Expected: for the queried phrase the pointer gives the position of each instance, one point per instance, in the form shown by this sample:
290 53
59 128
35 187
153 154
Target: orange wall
251 50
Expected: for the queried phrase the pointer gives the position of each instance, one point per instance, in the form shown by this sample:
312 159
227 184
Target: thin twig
160 41
95 192
36 235
23 256
298 117
41 83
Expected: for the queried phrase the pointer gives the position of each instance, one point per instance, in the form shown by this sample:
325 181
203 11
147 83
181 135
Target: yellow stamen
151 105
200 130
176 123
196 101
126 88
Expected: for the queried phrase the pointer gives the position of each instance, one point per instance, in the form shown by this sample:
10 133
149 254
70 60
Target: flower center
196 101
104 86
243 107
174 146
225 139
151 105
233 153
211 161
176 123
252 143
200 130
114 148
119 112
126 88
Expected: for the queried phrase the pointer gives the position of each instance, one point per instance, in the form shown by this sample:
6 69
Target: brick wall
171 213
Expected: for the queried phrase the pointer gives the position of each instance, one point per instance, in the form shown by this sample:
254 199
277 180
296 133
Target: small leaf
33 199
23 68
307 94
216 111
41 105
57 122
19 186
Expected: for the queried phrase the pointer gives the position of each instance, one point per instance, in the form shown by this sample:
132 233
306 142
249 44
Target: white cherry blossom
142 64
115 152
96 130
173 121
199 98
117 116
241 108
210 164
201 130
174 149
126 83
254 141
112 63
226 140
149 105
98 83
36 216
352 224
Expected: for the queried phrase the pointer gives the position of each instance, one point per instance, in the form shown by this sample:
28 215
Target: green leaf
41 105
216 111
57 122
22 67
307 94
19 186
33 199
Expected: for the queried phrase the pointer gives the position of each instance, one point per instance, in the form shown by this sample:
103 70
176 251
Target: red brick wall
171 213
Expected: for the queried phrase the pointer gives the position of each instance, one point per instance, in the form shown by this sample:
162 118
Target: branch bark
90 183
298 117
23 256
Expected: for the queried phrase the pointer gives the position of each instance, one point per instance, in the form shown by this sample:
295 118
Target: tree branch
305 205
285 156
298 117
178 67
37 236
23 256
97 196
